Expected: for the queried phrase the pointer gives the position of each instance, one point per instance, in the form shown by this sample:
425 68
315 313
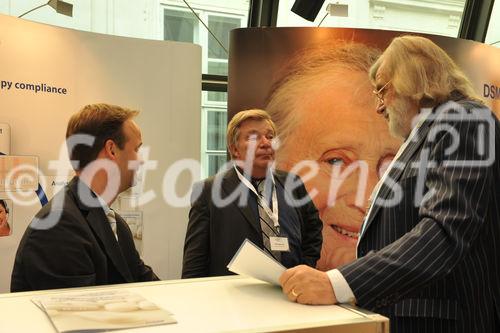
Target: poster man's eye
336 161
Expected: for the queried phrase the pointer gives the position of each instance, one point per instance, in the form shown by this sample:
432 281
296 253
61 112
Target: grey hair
422 71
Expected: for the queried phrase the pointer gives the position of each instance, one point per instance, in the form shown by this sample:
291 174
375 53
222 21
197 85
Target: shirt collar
103 203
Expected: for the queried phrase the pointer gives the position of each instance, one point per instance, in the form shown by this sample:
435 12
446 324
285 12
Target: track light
59 6
307 9
62 7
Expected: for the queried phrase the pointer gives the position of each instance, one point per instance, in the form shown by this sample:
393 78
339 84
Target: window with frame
493 33
181 25
215 145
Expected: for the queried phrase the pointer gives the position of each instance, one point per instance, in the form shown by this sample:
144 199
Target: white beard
400 117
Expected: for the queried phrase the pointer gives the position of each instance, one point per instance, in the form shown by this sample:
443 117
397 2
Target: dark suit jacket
80 250
434 266
214 234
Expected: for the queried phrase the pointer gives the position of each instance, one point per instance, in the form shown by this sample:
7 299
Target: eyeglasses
380 93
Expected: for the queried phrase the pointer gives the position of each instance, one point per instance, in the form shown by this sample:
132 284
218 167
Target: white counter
225 304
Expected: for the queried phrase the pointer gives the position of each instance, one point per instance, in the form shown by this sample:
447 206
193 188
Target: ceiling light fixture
59 6
307 9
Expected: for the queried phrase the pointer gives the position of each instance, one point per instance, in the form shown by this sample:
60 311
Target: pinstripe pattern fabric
433 265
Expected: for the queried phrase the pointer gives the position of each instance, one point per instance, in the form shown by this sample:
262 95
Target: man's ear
110 149
235 154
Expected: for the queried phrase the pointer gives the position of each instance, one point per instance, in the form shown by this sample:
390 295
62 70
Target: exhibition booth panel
48 74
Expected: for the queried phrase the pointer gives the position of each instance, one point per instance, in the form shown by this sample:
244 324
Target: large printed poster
314 83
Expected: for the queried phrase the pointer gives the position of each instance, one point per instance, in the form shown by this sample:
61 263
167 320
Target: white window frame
205 152
203 12
207 106
161 33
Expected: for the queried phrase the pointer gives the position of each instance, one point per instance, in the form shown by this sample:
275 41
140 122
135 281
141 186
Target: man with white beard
428 251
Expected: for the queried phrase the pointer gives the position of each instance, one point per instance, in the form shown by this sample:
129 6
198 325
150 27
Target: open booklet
250 260
101 311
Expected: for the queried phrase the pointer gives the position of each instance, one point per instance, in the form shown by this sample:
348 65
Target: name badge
279 244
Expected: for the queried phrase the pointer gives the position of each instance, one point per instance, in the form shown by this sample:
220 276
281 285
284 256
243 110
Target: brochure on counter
250 260
101 311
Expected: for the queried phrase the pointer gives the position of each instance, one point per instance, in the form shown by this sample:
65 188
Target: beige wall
162 79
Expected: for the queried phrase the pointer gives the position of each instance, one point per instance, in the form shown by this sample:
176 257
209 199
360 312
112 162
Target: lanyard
272 213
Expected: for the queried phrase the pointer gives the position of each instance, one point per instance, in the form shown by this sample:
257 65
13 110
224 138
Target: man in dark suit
77 240
429 249
251 201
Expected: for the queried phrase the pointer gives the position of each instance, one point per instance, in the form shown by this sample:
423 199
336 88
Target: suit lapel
98 222
280 180
126 242
229 185
395 173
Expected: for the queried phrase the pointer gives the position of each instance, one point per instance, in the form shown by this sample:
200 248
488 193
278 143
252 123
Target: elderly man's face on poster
339 129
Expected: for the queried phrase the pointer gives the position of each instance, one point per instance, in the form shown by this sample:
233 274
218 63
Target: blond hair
305 69
422 71
101 121
233 128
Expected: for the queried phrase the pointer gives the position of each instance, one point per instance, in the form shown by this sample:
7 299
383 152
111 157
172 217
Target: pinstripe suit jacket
429 253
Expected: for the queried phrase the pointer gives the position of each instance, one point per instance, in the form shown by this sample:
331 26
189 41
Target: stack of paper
252 261
101 311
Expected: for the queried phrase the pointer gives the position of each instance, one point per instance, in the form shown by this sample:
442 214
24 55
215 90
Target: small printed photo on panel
6 219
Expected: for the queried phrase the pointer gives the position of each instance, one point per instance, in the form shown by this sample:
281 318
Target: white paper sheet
252 261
